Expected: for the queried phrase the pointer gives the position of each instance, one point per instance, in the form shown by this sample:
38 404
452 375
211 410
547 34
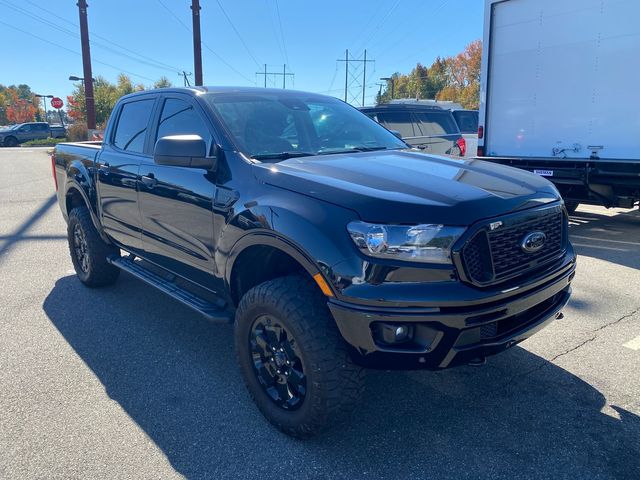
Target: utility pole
284 74
197 42
86 65
348 60
364 75
185 76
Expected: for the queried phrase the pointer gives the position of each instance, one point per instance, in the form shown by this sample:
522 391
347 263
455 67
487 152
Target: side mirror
183 151
396 133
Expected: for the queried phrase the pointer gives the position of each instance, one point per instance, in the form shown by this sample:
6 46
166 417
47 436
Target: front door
117 166
176 202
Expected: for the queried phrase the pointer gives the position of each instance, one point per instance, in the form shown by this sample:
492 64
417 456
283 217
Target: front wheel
293 360
89 252
10 142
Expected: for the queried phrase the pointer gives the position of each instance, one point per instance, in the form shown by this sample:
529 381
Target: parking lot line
633 344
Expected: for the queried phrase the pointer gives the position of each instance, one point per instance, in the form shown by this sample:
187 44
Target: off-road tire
334 382
94 271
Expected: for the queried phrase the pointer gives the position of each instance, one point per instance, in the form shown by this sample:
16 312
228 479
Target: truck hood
409 187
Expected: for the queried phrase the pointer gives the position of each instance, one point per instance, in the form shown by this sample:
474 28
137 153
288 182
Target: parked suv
327 241
23 132
429 128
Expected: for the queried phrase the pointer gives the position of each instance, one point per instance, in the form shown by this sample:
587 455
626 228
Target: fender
79 180
290 222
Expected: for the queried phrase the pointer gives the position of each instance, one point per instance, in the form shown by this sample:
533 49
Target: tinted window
132 126
179 118
40 127
437 123
271 123
25 128
467 121
398 121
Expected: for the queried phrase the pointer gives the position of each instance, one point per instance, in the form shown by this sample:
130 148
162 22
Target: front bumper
455 335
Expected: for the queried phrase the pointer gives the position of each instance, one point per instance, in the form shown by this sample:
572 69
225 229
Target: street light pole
393 84
44 103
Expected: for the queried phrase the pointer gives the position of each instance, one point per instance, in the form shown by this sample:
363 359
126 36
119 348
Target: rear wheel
571 206
10 142
294 362
89 252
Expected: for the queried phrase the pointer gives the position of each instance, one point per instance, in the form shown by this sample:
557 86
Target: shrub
44 142
77 132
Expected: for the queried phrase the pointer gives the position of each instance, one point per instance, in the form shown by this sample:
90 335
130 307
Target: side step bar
213 311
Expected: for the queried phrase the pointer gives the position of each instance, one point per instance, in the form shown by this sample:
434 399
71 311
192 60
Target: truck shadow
613 238
175 375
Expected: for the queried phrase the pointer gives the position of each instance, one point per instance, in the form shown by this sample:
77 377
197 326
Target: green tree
162 82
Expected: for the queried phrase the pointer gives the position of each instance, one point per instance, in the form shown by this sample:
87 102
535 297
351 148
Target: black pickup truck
329 243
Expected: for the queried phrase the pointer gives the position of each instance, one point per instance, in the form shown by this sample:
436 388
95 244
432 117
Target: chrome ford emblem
532 242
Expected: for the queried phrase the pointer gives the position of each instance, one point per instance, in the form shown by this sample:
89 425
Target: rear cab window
131 130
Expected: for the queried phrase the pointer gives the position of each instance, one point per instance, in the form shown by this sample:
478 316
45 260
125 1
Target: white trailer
559 94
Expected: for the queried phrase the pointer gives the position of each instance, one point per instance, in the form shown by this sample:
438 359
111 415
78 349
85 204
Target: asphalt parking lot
124 382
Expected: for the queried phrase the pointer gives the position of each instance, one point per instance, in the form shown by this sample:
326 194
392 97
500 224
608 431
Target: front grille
494 256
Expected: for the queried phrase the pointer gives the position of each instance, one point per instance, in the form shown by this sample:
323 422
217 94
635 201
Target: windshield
276 126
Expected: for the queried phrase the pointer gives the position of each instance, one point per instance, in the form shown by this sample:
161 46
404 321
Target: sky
148 39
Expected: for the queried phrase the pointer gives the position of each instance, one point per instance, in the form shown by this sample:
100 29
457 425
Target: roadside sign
56 102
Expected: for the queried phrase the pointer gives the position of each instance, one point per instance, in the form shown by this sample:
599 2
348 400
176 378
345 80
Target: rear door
117 164
176 202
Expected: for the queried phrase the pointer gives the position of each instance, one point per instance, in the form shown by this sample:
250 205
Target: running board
213 311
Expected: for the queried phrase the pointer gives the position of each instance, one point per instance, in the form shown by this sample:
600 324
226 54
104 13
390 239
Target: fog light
392 333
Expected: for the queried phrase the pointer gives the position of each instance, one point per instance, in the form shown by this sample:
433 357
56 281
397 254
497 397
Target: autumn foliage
454 78
17 104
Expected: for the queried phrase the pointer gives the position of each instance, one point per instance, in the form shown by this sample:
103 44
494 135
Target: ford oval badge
533 242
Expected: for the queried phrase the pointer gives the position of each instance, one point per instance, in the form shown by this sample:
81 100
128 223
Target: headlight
420 243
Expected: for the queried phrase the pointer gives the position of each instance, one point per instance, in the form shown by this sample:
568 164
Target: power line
142 58
273 29
238 34
73 51
284 43
218 56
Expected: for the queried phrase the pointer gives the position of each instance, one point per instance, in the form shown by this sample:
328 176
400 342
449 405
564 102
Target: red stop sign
56 102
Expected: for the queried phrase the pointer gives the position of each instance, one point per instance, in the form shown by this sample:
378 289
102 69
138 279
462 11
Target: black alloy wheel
277 364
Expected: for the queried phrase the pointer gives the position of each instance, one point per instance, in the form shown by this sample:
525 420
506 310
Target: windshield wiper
281 155
356 149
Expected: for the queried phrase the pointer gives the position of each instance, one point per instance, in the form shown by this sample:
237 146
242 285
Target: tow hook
559 316
477 362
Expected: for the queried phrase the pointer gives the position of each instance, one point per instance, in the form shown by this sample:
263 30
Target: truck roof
224 90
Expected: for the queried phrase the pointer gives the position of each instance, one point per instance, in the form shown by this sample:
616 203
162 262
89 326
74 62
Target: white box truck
560 96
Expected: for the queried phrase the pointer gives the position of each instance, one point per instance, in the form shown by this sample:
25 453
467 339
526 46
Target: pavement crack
544 363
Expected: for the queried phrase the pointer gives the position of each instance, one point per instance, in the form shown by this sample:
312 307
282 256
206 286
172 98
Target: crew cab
328 242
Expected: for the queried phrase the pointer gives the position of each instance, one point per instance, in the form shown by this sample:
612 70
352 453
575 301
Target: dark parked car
429 128
327 241
23 132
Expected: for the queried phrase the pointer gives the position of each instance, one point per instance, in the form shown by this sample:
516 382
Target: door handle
149 180
104 168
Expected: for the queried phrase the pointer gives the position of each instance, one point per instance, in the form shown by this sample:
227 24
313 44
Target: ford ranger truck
329 243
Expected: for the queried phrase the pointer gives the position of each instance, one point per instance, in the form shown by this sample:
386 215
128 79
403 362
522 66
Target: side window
42 127
25 128
132 125
179 118
440 123
467 121
398 121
